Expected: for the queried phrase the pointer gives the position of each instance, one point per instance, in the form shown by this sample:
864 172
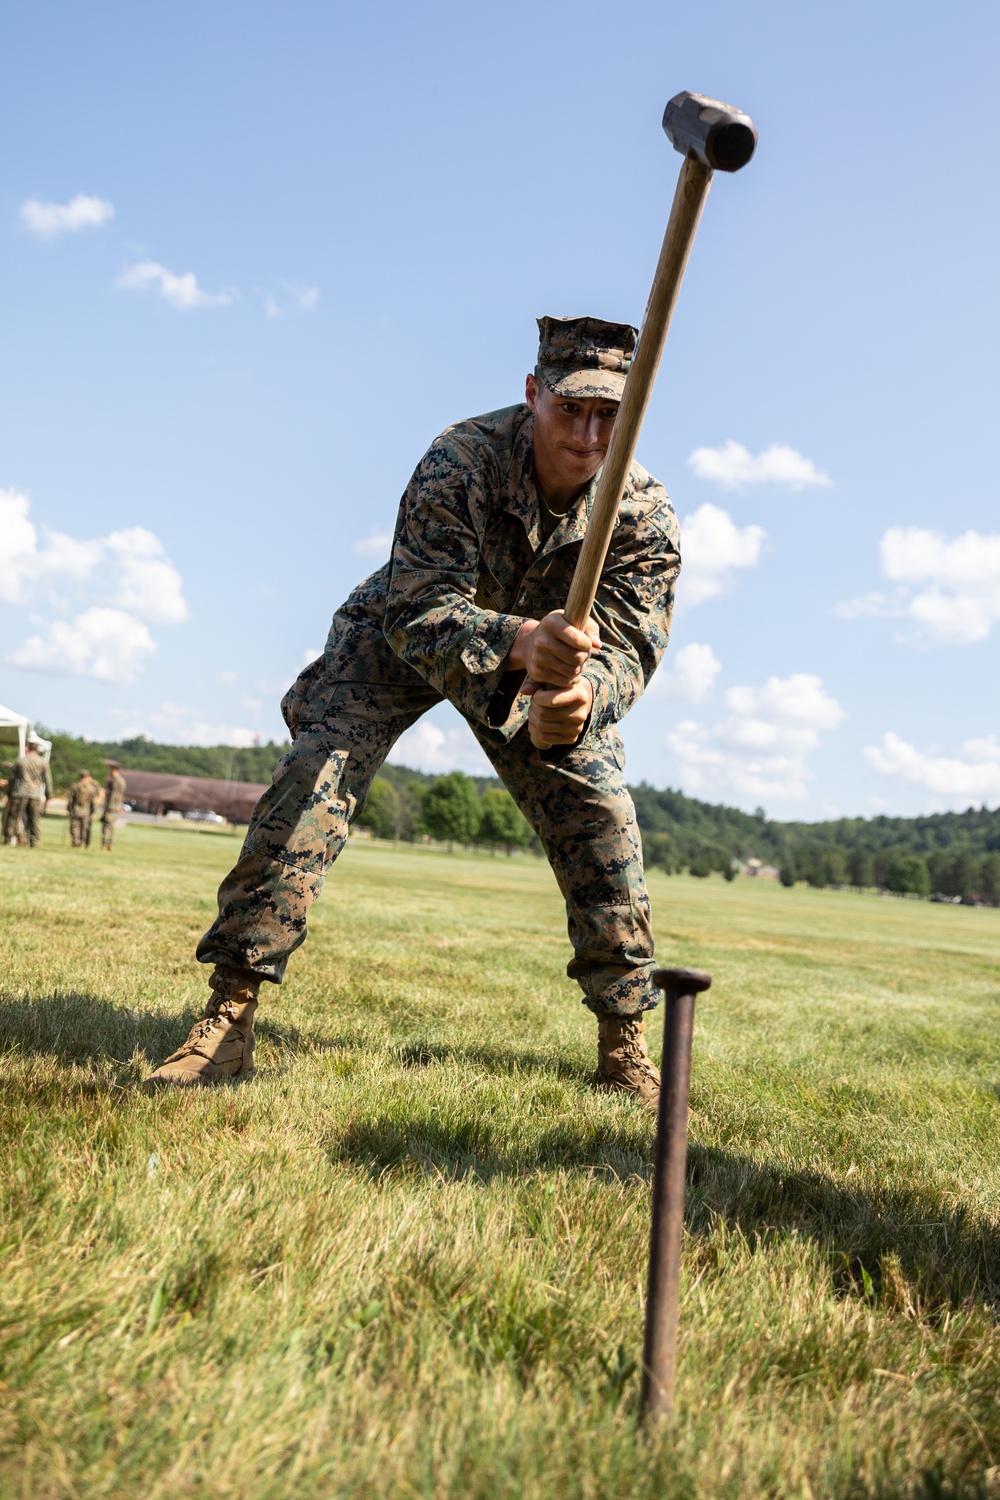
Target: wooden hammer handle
689 200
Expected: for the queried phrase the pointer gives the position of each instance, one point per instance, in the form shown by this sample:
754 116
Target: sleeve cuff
490 643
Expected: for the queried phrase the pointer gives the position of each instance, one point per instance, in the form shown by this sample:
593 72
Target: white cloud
23 564
734 466
305 299
18 544
691 677
761 749
712 547
428 747
948 591
375 544
125 578
866 604
180 291
177 724
149 584
974 778
962 600
49 219
130 568
104 643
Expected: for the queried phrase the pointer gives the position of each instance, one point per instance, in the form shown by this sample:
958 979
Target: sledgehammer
659 1354
711 137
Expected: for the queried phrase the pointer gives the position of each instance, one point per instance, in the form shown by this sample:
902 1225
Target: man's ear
531 391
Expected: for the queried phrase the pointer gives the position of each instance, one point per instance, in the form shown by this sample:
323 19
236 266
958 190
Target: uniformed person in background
114 798
469 608
83 797
6 770
28 792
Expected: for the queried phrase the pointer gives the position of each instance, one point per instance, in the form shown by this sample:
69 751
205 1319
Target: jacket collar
520 496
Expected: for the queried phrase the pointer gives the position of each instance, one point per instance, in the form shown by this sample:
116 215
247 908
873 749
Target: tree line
955 876
71 755
451 808
954 855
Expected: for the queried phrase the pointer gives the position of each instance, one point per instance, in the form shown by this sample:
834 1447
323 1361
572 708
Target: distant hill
743 834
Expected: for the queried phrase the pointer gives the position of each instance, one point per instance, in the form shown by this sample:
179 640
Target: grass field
408 1259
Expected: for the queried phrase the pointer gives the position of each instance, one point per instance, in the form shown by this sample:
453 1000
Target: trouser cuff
272 970
629 995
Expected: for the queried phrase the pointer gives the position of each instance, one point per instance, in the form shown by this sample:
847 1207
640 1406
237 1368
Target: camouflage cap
584 356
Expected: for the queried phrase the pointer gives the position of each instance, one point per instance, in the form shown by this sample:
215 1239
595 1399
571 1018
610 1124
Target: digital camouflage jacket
469 566
114 794
31 778
82 798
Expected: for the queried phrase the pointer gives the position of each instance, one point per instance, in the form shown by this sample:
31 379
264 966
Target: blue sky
255 256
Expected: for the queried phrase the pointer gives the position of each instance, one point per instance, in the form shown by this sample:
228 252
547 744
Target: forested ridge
954 854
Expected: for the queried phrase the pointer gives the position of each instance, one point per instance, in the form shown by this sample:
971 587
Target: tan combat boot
220 1045
624 1064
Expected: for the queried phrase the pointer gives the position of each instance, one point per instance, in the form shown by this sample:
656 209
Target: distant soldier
114 798
28 794
83 797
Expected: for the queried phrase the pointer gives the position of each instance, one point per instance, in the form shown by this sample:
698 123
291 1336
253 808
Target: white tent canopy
15 730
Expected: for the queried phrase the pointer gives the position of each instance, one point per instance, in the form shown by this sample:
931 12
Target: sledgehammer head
720 136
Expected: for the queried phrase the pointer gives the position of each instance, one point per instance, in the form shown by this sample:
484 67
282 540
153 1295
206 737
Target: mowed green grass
409 1258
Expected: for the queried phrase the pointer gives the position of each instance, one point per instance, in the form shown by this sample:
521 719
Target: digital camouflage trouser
580 808
24 816
79 831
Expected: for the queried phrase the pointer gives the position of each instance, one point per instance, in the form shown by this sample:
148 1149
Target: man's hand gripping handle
553 654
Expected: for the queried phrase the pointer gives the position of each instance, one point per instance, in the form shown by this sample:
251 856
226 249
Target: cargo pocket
302 817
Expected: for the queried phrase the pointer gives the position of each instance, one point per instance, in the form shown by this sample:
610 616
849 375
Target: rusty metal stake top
659 1355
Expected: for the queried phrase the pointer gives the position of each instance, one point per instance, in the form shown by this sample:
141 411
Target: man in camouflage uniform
114 797
28 794
470 609
80 804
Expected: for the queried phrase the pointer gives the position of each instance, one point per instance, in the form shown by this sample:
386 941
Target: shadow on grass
898 1244
73 1028
472 1149
501 1060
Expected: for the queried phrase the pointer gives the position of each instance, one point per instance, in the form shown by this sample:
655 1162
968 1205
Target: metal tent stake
659 1355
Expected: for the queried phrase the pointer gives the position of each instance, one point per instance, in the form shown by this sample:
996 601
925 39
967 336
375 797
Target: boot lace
630 1045
220 1016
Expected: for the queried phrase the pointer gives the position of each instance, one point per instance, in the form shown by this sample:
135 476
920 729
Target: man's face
571 434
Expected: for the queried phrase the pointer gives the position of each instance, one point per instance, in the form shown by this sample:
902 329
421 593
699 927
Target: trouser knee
302 820
298 828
